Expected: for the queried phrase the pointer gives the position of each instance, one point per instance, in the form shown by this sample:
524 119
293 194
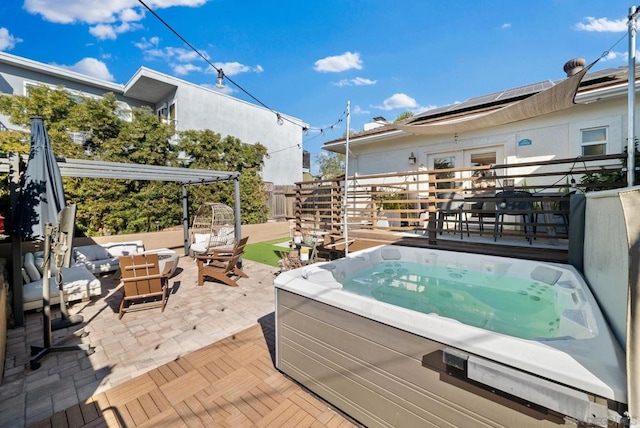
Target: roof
489 102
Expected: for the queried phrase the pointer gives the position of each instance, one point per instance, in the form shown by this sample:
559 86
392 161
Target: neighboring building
446 138
187 105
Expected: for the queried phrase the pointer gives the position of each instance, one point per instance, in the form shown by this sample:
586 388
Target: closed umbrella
42 194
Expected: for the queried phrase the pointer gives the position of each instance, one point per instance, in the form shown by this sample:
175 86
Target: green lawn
266 252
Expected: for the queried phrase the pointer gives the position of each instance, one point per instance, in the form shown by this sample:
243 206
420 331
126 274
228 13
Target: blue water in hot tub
517 306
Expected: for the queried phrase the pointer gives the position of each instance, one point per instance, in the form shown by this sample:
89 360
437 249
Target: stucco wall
201 108
552 136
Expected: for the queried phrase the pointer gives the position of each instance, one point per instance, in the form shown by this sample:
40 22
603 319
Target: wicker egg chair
213 228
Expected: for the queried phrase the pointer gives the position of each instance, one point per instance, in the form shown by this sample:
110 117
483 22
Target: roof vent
573 66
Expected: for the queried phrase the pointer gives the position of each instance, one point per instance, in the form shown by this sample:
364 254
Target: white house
485 130
187 105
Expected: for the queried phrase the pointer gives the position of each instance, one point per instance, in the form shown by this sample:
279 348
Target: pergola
11 164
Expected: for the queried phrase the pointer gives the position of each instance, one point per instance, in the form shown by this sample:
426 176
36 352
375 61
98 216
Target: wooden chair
143 282
222 266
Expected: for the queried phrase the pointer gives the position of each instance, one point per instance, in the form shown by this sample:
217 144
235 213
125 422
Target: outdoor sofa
78 282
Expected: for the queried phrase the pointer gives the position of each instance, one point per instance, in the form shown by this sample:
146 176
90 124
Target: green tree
404 116
207 149
330 165
109 133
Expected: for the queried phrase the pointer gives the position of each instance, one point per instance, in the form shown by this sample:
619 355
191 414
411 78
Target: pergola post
185 218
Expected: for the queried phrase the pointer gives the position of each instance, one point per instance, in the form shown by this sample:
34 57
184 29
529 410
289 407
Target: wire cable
279 116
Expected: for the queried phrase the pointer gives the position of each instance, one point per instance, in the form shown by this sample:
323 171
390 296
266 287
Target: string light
221 76
220 83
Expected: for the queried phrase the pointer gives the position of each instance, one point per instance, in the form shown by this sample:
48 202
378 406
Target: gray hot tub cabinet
385 377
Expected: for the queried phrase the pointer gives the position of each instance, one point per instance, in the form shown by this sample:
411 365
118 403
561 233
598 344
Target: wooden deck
516 247
232 383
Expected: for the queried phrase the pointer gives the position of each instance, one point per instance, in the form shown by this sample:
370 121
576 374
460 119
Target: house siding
196 107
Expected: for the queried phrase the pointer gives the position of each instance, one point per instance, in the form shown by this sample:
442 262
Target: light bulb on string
279 120
220 83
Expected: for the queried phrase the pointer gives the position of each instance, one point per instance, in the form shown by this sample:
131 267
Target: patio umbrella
42 195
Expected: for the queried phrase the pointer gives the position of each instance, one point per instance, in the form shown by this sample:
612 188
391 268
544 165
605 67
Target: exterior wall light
412 159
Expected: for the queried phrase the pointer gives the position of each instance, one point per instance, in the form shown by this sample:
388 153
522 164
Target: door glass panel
483 177
445 163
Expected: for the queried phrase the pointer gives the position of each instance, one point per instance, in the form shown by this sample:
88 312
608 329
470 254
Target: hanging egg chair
213 228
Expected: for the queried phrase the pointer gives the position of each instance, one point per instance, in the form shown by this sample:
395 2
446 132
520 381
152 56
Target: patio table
481 202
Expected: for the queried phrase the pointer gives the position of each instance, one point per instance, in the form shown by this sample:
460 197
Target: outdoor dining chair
453 205
514 203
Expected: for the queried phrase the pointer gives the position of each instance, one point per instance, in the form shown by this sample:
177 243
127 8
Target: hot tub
398 336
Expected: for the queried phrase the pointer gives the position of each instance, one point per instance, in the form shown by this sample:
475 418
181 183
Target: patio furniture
78 283
453 206
168 260
221 265
104 258
143 283
213 228
515 203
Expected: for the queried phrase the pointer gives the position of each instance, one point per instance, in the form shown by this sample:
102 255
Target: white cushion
78 282
87 253
227 235
30 267
201 237
199 247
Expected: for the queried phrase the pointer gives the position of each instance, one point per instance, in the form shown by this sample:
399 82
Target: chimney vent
573 66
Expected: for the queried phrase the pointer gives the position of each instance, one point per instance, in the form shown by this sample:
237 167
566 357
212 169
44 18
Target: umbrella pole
41 352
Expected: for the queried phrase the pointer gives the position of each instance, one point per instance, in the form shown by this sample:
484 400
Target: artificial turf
266 252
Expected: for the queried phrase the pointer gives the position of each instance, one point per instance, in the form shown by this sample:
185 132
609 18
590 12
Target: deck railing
420 201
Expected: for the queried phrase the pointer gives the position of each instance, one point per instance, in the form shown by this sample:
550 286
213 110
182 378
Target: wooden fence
421 199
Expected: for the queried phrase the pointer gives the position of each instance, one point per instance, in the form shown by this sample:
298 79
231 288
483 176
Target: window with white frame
594 141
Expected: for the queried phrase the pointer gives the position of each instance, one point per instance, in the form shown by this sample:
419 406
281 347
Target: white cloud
334 64
506 25
602 25
116 14
184 61
618 56
233 68
359 110
183 55
110 32
398 101
7 41
144 44
612 56
184 69
358 81
91 67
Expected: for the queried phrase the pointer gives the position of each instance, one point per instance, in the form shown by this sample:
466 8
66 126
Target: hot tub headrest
546 275
388 253
321 276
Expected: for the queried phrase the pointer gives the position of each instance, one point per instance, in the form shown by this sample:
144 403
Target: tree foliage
330 165
105 132
404 116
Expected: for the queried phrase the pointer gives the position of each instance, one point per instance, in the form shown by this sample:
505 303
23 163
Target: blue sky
308 58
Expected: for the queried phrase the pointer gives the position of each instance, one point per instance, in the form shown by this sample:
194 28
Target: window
484 179
594 141
445 163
